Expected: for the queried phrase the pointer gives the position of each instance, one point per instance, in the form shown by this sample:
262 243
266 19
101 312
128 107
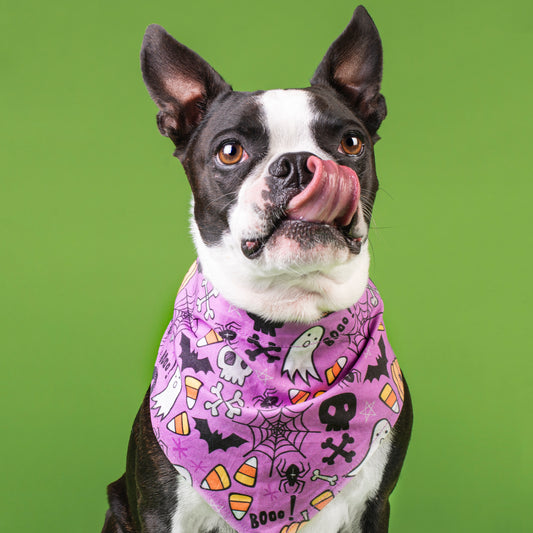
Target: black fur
144 498
235 116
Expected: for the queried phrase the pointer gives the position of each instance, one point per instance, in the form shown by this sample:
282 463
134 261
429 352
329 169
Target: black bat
380 368
214 439
190 357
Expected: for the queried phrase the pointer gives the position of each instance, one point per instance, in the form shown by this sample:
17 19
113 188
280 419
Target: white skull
232 367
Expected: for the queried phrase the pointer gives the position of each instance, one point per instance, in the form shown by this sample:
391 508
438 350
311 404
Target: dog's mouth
323 212
319 233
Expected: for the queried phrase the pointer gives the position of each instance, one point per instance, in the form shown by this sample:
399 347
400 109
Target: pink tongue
330 198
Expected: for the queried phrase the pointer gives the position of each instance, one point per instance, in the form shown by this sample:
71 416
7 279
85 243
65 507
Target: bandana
268 421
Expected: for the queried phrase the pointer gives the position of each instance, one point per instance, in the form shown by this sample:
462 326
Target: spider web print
363 312
277 433
183 317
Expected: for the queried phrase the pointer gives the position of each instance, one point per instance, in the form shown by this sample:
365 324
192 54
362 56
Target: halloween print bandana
268 421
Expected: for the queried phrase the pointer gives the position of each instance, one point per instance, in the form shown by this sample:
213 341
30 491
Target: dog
277 403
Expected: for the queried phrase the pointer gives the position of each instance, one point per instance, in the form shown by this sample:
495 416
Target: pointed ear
179 81
353 67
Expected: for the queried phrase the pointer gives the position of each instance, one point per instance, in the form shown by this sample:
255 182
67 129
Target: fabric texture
269 421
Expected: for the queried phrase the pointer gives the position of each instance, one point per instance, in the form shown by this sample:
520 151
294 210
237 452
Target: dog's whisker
387 193
231 199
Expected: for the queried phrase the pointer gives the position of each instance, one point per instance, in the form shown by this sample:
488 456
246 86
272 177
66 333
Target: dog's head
283 181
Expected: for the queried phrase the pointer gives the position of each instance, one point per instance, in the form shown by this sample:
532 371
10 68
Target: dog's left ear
180 82
353 66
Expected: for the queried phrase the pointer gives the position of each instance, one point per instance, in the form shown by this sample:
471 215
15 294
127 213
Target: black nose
292 168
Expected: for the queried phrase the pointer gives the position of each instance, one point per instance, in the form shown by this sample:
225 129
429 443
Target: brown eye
351 145
231 153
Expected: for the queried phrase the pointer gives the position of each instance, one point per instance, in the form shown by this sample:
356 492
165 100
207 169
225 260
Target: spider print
290 476
229 331
267 400
278 432
183 316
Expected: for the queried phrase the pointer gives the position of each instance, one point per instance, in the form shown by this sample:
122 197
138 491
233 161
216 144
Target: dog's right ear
179 81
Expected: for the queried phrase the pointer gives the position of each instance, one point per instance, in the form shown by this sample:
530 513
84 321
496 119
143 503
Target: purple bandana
269 421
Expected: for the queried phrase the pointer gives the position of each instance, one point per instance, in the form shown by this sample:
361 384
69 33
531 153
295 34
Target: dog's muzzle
318 192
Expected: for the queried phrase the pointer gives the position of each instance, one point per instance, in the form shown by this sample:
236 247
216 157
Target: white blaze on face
166 398
288 116
299 358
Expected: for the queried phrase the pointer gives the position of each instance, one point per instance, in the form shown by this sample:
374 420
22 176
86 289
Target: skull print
232 367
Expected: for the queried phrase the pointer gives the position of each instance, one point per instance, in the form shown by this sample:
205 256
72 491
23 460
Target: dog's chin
298 243
301 271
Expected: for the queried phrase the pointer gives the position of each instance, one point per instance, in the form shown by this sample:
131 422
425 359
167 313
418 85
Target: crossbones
338 449
209 313
231 411
332 480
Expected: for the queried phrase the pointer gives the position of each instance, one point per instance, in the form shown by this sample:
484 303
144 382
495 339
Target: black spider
228 331
290 475
351 377
267 400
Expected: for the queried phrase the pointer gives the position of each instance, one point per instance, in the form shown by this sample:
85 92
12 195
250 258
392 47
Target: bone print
338 449
373 299
262 350
213 293
332 480
230 410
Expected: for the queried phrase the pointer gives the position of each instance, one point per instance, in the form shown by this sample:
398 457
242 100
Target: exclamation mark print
293 502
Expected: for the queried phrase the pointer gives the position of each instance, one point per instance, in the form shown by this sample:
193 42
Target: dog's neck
296 294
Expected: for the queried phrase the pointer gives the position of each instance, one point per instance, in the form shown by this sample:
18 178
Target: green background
94 239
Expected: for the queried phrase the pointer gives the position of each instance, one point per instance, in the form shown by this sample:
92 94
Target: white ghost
299 358
380 431
166 398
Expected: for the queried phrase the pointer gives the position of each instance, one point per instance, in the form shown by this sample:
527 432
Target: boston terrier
277 403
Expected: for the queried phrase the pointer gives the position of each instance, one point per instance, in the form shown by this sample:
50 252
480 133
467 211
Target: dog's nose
292 168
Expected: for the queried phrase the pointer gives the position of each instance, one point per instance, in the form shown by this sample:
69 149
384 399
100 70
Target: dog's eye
231 153
351 145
